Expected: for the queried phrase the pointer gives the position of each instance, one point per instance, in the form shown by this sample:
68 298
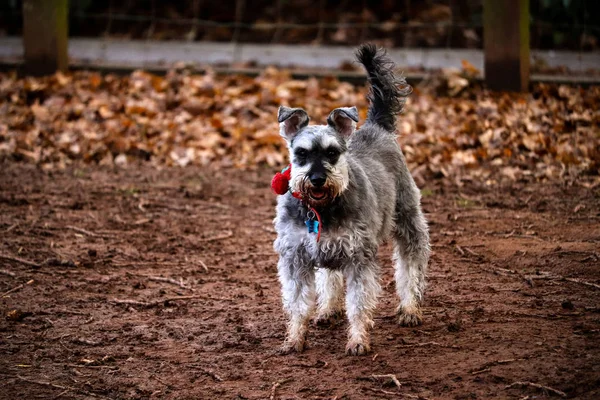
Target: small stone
567 304
454 326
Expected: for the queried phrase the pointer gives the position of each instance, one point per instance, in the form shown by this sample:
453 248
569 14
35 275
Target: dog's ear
291 120
343 120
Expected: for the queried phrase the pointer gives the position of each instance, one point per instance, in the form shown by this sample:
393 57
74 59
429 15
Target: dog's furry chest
335 248
332 251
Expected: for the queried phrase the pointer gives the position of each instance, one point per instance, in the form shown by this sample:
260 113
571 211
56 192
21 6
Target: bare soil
142 283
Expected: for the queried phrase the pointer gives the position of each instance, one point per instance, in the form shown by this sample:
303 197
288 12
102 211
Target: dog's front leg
362 290
297 279
330 294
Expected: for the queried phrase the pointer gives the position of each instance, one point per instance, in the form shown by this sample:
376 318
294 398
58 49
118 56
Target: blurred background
563 34
554 24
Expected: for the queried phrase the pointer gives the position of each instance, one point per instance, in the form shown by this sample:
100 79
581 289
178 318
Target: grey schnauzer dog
353 190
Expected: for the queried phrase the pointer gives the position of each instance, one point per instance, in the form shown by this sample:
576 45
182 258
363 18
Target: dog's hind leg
411 254
362 290
298 292
330 293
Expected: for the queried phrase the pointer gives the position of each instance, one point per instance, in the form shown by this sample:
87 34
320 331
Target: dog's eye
301 153
332 153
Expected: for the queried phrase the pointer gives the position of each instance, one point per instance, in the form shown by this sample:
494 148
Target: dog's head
318 152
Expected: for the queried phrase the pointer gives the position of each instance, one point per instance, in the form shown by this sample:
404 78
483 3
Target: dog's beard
322 196
316 196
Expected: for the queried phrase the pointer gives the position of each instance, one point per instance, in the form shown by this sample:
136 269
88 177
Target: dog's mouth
318 194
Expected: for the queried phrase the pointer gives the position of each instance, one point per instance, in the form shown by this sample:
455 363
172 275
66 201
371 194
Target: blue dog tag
312 225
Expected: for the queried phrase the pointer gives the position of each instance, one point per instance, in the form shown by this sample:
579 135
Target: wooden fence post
45 34
506 44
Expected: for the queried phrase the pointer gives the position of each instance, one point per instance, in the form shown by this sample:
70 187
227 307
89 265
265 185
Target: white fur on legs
362 290
330 293
410 284
298 292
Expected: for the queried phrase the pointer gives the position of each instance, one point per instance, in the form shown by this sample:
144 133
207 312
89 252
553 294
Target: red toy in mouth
315 196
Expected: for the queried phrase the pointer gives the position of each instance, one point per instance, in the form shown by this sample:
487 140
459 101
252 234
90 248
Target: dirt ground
142 283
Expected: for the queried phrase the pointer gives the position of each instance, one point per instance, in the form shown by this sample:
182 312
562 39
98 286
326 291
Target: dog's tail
388 92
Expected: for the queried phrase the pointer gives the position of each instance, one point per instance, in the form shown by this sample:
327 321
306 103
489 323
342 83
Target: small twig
20 260
392 377
207 372
212 375
403 346
86 342
396 394
7 272
163 279
582 282
66 348
486 367
481 371
382 391
10 228
162 301
225 235
111 367
60 394
537 386
276 385
145 263
169 280
164 383
544 316
545 275
62 387
60 311
460 250
87 233
471 252
21 286
82 231
203 265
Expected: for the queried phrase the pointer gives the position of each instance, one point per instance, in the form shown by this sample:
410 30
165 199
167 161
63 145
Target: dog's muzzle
316 191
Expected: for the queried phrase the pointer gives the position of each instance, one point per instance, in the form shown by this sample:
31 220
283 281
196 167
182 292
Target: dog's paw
328 320
290 346
410 319
357 348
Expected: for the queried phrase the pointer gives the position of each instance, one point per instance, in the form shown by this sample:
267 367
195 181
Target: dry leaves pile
184 118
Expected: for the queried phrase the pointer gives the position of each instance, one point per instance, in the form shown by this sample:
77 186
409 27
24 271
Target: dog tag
312 225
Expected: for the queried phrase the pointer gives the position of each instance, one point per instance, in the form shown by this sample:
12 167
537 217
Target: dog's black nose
317 179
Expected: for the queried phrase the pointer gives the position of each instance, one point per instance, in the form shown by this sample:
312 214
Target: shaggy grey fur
368 196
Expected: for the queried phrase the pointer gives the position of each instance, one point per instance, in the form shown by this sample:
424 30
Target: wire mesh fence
555 24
